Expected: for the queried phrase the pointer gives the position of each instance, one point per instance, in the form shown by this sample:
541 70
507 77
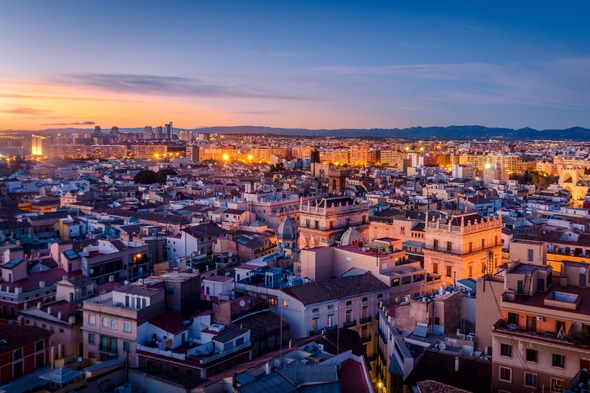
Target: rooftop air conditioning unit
540 318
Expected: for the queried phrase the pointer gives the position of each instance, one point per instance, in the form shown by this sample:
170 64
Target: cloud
261 113
562 83
77 123
166 86
27 111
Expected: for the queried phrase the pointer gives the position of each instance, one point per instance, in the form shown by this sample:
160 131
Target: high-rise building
159 132
169 131
39 145
97 130
148 132
192 152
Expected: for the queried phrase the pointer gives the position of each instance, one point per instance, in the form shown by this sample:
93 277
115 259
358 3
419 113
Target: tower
169 131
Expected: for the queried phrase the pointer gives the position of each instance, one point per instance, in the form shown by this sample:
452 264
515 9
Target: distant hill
451 132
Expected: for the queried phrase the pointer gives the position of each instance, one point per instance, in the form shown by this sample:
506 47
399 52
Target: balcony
572 339
350 324
366 319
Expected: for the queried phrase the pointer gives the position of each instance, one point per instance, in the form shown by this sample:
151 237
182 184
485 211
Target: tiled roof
17 336
336 288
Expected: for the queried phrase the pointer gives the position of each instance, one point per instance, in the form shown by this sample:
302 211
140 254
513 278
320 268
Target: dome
350 236
287 229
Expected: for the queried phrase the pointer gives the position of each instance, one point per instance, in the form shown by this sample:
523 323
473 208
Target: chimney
111 278
60 351
39 306
49 310
457 364
21 320
59 315
41 284
72 320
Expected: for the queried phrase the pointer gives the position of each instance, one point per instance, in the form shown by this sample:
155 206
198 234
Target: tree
146 177
164 173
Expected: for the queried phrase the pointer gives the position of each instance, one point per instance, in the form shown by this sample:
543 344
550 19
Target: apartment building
322 222
462 246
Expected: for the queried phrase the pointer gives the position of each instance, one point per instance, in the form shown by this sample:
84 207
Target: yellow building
149 151
462 246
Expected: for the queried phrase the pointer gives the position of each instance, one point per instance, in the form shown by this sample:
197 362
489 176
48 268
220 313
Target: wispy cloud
562 83
158 85
261 113
28 111
77 123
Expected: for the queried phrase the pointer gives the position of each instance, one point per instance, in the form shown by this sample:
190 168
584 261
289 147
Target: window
113 324
18 353
531 355
470 270
584 363
530 379
531 255
558 360
314 310
557 385
449 271
483 243
505 374
470 247
314 323
190 372
240 341
435 268
285 303
435 244
92 319
127 327
349 303
512 318
348 315
272 302
126 346
39 346
105 322
330 320
506 350
90 338
449 247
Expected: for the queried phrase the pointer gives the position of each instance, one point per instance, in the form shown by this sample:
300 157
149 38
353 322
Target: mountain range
465 132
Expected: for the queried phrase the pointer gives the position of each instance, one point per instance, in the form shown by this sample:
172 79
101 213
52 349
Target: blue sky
354 64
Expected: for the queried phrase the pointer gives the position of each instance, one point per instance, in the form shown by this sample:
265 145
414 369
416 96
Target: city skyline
310 65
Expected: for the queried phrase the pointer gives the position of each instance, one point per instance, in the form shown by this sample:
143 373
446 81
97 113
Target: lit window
285 303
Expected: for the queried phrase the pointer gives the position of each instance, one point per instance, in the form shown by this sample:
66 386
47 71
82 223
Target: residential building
462 246
323 221
22 350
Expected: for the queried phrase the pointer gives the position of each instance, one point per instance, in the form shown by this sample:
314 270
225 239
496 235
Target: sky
291 64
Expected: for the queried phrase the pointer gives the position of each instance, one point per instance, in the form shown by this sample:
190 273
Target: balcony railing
366 319
350 324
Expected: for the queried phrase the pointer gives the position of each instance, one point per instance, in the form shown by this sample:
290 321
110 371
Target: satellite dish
442 346
79 359
242 303
230 254
582 270
363 249
125 282
91 271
